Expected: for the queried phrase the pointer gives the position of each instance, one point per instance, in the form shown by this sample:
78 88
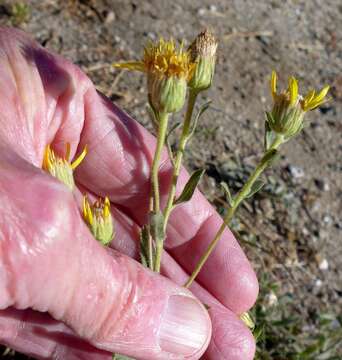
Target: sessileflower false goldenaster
289 107
99 219
61 167
168 70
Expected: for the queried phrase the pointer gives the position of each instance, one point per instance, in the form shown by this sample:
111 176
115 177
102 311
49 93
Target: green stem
243 193
163 121
179 156
176 170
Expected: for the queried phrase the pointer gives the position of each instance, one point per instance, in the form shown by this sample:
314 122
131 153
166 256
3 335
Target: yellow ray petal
46 160
293 90
84 207
322 94
80 158
317 100
67 151
309 96
131 65
106 207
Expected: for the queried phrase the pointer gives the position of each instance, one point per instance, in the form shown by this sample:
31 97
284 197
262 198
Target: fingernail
185 326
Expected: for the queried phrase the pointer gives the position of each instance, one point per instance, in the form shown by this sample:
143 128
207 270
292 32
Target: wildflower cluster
171 72
175 74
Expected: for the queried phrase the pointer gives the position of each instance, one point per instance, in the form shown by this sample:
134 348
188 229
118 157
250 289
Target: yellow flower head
289 107
168 70
164 59
99 219
309 102
61 167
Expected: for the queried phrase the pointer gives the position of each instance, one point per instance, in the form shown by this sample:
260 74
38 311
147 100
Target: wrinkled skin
64 296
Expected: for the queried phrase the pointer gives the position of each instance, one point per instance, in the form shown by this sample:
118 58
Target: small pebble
110 17
327 219
322 184
213 8
318 283
324 265
305 231
201 11
296 171
152 35
271 299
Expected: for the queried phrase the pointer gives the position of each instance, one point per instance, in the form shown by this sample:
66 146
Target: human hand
63 295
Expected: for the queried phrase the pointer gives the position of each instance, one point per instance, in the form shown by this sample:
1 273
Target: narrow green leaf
270 157
153 114
268 136
144 246
157 226
170 152
227 193
258 332
201 111
190 187
168 144
173 128
257 186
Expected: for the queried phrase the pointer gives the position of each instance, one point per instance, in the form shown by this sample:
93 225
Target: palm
44 99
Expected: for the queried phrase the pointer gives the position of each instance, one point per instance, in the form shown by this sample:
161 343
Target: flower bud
99 219
60 167
289 108
203 54
167 94
247 319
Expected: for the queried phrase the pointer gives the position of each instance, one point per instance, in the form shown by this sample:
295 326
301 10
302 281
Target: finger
50 262
234 340
38 96
41 337
231 340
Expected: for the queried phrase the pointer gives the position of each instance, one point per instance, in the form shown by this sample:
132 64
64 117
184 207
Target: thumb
50 262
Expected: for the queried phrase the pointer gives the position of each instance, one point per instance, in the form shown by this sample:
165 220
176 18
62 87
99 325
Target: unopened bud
203 54
247 319
167 94
99 219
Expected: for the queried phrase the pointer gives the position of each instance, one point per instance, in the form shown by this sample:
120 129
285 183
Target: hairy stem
162 130
163 122
176 170
179 156
243 193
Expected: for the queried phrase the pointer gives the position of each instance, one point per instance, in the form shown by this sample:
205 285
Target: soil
293 229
